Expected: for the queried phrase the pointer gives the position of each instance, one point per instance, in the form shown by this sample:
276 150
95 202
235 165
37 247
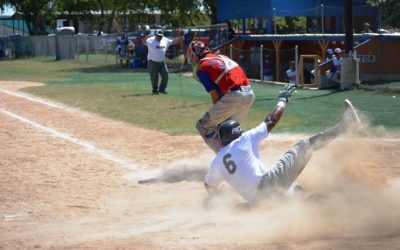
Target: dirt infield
69 180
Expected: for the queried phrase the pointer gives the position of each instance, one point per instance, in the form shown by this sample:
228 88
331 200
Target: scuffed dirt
69 180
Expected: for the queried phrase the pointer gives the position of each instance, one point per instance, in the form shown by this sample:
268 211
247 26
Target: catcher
238 161
227 85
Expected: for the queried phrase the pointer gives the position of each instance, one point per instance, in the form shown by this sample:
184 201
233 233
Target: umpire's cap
159 33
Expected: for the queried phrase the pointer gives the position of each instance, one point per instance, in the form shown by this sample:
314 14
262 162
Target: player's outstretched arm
275 115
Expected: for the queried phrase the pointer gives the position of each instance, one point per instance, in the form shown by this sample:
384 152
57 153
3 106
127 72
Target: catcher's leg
208 133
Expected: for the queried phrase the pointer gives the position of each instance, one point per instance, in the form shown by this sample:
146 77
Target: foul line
85 144
35 99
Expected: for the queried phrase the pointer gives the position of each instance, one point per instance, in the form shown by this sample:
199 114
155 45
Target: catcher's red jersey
219 71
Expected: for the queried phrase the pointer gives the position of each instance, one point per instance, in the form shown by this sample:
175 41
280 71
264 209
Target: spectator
121 44
262 29
291 73
367 28
131 47
337 62
252 29
329 55
187 39
268 69
141 51
232 30
157 46
243 63
313 28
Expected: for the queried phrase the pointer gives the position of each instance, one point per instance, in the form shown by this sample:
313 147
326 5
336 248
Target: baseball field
77 138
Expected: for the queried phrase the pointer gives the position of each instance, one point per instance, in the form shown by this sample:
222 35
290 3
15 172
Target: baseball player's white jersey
291 75
238 163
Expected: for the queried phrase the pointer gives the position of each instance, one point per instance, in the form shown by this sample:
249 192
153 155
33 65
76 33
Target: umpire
157 46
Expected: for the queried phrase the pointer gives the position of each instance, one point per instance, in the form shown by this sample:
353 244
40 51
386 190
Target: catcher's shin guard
210 137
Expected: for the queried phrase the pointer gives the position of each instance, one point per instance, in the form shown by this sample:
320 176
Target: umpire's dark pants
156 68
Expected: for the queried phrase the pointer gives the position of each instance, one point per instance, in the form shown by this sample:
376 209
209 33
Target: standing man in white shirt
238 162
291 73
157 46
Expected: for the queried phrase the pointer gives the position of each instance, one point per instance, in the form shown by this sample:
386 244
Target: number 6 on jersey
230 165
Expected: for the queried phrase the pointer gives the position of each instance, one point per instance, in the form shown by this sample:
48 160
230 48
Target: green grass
125 95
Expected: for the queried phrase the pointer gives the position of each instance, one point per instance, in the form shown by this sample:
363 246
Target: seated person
141 51
337 61
291 73
131 47
268 69
243 64
367 28
121 43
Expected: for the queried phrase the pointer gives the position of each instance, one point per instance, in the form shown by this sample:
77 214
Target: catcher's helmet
228 131
196 51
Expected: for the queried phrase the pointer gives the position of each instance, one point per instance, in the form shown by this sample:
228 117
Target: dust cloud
350 191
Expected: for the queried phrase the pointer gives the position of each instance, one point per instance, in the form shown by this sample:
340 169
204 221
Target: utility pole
348 22
349 64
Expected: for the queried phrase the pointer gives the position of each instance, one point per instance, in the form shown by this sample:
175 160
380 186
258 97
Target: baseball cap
159 33
329 51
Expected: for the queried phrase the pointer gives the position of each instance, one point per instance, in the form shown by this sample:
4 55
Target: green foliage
287 25
390 11
36 13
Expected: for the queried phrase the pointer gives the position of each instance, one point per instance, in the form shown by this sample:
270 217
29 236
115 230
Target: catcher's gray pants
156 68
283 173
233 105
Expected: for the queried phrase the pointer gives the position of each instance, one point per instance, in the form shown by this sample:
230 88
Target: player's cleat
350 116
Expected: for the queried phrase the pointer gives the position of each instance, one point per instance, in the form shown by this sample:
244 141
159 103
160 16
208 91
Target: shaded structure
327 20
329 14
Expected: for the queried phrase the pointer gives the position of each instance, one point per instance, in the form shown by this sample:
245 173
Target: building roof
236 9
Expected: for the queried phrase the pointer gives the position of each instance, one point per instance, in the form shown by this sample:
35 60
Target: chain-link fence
93 49
105 49
258 62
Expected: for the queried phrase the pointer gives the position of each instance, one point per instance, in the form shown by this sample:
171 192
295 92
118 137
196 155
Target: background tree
210 8
36 13
390 10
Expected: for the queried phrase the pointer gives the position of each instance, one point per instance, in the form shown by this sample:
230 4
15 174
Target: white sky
8 11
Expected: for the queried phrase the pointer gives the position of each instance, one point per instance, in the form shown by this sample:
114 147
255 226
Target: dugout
374 52
329 14
376 62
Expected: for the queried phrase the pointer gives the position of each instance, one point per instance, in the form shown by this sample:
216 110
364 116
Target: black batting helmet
228 131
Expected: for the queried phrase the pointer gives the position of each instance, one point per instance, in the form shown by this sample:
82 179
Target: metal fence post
296 50
322 18
231 51
77 48
261 62
106 50
87 49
